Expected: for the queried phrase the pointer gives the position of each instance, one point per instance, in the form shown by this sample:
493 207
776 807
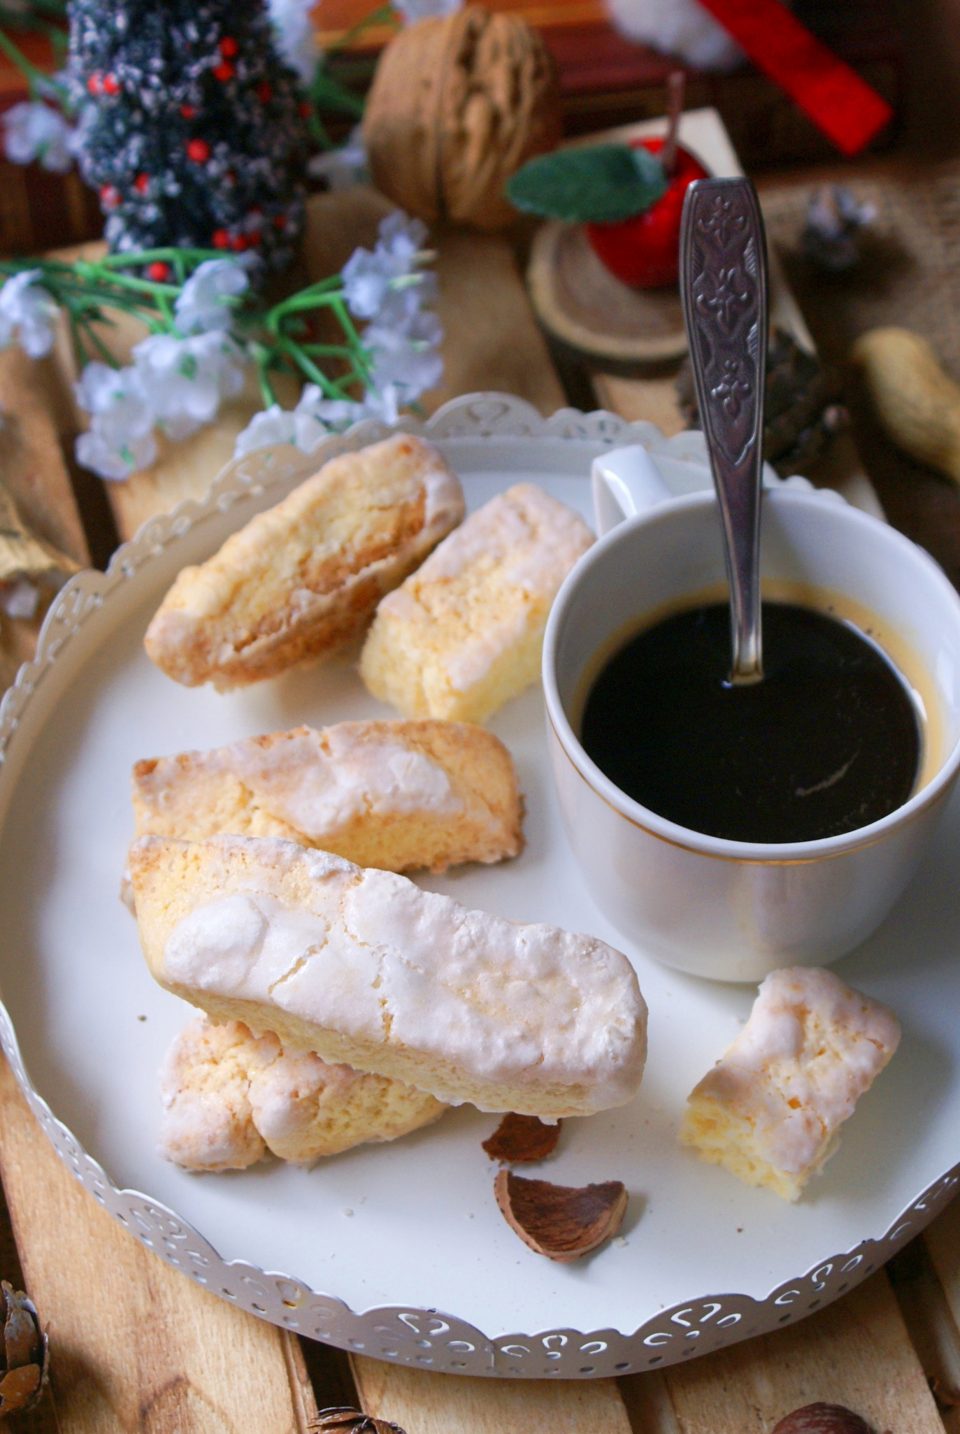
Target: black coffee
828 741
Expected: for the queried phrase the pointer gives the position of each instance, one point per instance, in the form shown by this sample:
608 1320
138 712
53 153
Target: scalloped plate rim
493 1354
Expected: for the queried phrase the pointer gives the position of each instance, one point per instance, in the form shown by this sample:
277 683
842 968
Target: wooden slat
425 1403
932 1308
653 398
855 1353
136 1345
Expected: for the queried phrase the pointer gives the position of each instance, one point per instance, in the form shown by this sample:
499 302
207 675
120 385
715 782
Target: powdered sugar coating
526 541
464 632
810 1049
229 1098
317 785
491 1002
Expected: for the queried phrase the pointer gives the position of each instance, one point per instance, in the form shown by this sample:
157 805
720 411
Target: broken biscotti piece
771 1108
464 633
391 794
305 576
230 1097
362 967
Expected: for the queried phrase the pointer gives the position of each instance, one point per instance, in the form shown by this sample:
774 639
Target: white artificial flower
34 131
334 412
344 166
401 236
367 275
187 379
412 367
202 304
406 357
96 452
370 275
295 36
121 439
403 303
27 313
280 425
86 119
413 10
384 402
116 399
19 598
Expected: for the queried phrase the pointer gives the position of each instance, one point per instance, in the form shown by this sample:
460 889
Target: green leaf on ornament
603 182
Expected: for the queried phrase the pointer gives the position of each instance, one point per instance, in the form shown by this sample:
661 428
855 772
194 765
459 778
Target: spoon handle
723 284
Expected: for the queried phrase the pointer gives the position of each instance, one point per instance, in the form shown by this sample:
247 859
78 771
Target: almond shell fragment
522 1139
562 1222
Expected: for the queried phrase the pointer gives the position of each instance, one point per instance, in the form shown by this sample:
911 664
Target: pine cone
351 1421
802 410
25 1353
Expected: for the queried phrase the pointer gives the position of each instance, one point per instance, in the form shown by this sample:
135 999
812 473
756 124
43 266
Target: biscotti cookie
304 577
771 1108
464 633
363 967
230 1098
396 795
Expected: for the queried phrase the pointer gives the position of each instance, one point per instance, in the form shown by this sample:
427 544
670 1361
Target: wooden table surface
137 1346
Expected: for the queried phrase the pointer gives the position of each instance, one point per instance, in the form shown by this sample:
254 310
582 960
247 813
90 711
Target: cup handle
625 482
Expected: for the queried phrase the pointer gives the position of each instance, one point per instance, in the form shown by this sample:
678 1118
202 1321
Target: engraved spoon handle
723 285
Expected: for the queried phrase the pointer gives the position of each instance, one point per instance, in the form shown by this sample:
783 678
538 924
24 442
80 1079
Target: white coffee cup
735 910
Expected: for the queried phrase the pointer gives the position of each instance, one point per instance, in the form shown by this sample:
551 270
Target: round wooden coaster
581 303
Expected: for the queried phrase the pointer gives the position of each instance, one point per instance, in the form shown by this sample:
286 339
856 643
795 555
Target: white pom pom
677 27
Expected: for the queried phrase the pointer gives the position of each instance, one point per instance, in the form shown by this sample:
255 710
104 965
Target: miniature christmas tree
193 130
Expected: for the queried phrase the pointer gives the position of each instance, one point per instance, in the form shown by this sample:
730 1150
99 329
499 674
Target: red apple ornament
644 249
628 197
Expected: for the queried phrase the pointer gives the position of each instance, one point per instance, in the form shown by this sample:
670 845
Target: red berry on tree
228 46
221 239
265 92
239 242
198 150
111 85
224 71
305 108
109 196
142 183
95 83
279 221
188 111
158 271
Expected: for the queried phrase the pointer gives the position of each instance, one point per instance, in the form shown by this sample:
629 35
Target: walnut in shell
459 102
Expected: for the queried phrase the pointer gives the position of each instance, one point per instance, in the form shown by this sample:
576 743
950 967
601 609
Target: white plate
399 1249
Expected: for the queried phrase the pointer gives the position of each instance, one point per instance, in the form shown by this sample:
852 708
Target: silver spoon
723 286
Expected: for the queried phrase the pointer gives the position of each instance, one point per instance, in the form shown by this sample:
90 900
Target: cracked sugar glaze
831 739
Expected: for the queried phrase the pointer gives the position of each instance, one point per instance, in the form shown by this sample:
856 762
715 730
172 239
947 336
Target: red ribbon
840 103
